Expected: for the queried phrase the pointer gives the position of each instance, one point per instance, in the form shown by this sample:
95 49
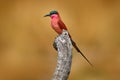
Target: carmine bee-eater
58 25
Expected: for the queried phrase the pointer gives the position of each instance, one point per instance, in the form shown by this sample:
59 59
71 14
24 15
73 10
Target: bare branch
64 47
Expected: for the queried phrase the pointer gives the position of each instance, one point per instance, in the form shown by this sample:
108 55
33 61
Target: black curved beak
46 15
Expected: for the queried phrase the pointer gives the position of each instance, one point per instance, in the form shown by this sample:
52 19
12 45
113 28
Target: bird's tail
78 50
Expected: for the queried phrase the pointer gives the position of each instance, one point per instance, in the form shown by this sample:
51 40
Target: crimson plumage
58 25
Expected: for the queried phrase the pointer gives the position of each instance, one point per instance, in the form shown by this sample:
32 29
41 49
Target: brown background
26 38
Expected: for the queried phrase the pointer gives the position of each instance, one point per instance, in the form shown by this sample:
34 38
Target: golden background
26 38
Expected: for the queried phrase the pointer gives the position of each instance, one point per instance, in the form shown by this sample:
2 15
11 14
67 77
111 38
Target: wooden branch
64 48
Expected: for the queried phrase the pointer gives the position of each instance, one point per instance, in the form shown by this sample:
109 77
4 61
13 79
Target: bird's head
52 13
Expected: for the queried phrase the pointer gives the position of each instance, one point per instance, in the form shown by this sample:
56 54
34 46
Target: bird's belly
57 29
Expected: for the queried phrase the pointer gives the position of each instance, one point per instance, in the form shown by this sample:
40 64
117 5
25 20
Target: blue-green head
51 13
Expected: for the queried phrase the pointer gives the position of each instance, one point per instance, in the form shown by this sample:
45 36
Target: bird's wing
62 25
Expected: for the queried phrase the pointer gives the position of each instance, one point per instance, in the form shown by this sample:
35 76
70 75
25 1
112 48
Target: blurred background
26 38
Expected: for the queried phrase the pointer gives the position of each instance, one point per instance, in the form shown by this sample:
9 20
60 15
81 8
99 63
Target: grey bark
64 48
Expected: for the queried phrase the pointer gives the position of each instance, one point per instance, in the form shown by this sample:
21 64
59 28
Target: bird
58 25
